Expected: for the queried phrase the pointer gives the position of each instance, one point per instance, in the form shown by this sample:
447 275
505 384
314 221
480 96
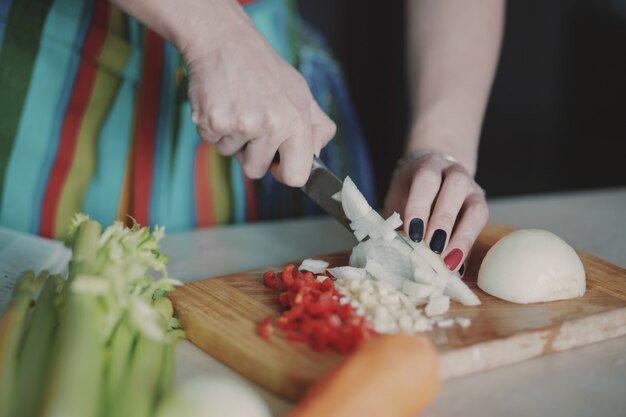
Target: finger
207 134
463 268
472 219
396 198
453 191
256 157
296 158
213 124
422 192
230 145
248 123
323 129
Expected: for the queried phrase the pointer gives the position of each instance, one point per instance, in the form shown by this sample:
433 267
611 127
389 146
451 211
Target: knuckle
216 120
205 135
458 179
427 176
293 120
244 124
478 211
444 217
270 121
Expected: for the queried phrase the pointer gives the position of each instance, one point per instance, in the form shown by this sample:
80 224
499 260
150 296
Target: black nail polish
438 241
416 230
462 270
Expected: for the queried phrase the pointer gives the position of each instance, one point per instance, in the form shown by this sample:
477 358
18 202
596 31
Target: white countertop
582 382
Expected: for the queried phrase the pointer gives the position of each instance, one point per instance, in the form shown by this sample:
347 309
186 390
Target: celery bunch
99 343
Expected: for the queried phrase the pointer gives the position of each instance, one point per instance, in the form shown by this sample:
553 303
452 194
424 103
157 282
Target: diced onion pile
388 280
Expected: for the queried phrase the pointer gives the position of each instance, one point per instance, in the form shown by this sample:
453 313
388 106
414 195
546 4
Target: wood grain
220 315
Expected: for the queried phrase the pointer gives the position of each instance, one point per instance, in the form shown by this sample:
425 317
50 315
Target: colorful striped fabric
94 117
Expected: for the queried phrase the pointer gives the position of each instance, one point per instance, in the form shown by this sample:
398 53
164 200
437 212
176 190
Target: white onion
530 266
348 272
459 291
354 204
315 266
437 306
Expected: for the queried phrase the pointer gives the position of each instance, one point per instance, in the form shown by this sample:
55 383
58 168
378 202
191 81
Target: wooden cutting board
221 315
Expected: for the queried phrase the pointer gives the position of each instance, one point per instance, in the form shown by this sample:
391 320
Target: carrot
392 376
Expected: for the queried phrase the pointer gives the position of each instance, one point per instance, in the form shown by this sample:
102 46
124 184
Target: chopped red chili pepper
312 312
288 275
270 280
266 329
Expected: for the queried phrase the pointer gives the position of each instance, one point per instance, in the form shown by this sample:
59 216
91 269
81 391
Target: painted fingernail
462 270
453 259
438 241
416 230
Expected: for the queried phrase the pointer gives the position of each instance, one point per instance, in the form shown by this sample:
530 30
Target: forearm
453 50
185 24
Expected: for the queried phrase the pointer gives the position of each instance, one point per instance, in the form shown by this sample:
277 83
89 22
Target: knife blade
321 187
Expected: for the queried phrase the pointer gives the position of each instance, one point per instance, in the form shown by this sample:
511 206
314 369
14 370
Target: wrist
197 22
458 139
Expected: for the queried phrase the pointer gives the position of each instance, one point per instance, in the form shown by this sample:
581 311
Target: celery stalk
12 327
35 355
84 249
77 378
164 306
120 354
139 399
167 366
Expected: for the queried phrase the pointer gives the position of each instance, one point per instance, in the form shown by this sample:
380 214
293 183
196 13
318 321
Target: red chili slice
287 277
265 328
316 309
312 312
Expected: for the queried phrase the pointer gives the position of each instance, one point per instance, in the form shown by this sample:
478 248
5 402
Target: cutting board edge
530 344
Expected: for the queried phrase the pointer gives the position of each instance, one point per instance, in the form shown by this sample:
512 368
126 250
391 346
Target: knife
321 187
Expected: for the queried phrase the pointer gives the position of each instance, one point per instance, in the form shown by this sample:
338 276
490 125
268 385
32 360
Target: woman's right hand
245 98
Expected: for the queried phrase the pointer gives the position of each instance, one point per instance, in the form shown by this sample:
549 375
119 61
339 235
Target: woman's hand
250 103
245 98
441 203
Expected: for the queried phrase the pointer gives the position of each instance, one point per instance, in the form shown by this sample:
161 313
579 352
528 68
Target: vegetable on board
390 375
98 343
312 312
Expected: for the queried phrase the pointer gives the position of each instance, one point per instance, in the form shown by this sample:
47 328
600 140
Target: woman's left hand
441 203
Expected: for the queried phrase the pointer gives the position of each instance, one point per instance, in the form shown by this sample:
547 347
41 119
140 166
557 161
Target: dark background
556 119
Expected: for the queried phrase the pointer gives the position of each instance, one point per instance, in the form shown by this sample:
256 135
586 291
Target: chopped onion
459 291
379 272
403 276
464 322
416 291
437 306
445 323
393 254
348 272
315 266
354 204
